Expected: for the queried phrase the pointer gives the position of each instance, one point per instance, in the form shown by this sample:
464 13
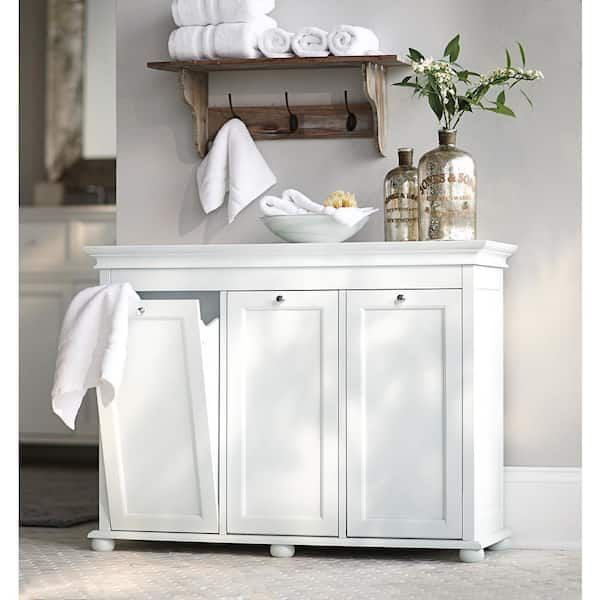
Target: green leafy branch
451 90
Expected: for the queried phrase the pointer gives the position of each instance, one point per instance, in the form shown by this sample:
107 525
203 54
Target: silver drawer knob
400 298
141 310
280 299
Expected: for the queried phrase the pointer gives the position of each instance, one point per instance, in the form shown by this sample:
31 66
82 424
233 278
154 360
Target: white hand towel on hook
92 347
213 12
276 43
311 42
233 166
228 40
348 40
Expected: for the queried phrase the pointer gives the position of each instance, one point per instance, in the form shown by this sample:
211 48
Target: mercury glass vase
447 192
402 200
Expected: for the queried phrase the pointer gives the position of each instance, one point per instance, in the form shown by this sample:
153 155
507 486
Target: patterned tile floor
57 564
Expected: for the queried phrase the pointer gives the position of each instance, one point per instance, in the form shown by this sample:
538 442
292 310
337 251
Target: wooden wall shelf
259 64
269 122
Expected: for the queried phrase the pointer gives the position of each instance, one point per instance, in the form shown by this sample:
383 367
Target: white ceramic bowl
311 228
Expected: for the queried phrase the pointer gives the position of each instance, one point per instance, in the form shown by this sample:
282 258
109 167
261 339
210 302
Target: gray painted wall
99 83
529 171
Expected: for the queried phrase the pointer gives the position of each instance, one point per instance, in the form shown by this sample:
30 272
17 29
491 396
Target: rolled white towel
272 206
276 43
349 40
228 40
311 42
346 216
299 200
213 12
350 216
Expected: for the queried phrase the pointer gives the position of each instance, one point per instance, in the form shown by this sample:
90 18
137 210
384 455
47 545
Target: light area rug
57 564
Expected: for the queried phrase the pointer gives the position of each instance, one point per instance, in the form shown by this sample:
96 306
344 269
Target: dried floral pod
341 199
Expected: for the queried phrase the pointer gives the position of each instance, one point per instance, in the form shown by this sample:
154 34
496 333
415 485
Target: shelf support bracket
195 93
375 86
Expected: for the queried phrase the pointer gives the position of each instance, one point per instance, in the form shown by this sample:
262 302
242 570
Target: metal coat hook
233 113
352 121
294 122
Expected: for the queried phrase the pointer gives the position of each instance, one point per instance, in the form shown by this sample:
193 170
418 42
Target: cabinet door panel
42 308
404 414
283 413
156 434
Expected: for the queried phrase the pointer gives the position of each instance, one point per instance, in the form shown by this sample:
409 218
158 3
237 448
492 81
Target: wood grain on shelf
339 62
316 121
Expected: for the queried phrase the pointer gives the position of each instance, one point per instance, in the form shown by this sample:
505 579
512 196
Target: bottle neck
447 137
405 157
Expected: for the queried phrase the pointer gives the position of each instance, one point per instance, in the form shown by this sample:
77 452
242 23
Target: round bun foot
278 551
503 545
103 545
472 556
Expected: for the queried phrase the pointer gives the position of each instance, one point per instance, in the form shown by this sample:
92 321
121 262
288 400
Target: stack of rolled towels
345 40
212 29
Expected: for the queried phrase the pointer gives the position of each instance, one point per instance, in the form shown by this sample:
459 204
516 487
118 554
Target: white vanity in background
344 395
52 269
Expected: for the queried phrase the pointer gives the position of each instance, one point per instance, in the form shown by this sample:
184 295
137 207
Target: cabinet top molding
260 256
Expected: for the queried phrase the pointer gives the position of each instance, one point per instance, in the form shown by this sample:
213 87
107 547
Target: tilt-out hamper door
156 434
282 413
404 398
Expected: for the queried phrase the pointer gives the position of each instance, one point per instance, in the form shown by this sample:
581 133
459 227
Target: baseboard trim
53 454
543 507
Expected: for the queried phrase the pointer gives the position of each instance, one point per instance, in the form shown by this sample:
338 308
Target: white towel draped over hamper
92 347
213 12
227 40
234 167
349 40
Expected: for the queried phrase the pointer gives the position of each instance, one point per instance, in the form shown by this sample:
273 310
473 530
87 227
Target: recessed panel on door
404 414
157 432
282 436
42 308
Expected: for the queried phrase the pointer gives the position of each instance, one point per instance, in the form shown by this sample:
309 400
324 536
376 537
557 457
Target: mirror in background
80 149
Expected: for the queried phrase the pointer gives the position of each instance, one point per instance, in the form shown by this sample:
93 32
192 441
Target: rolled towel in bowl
272 206
276 43
213 12
228 40
349 40
311 42
346 216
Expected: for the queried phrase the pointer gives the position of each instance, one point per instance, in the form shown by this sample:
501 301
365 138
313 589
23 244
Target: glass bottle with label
447 192
402 200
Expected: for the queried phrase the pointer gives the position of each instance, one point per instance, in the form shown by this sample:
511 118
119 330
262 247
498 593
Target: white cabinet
404 407
42 307
282 434
53 268
360 398
156 434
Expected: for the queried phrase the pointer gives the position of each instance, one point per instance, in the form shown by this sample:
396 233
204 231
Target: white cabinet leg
279 551
503 545
103 545
472 556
